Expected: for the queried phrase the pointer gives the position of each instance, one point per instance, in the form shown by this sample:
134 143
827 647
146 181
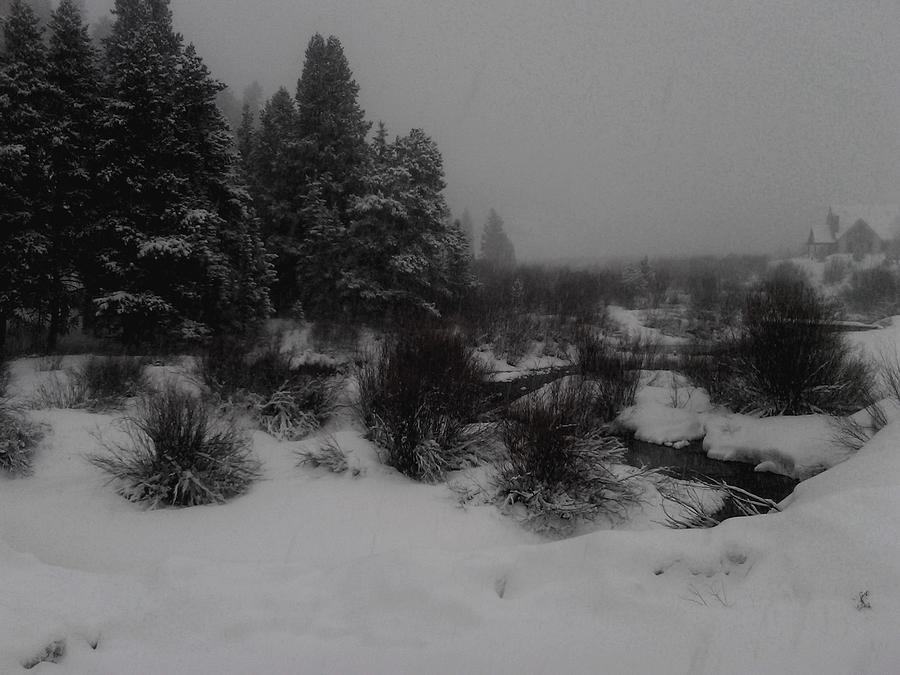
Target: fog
624 128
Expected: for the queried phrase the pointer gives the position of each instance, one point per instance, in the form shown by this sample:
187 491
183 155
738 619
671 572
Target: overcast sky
602 128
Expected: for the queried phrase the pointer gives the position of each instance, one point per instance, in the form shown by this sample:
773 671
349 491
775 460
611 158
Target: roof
884 219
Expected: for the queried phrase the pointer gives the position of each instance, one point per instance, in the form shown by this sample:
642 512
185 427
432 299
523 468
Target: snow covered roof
884 219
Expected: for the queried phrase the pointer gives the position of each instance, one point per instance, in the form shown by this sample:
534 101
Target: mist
609 129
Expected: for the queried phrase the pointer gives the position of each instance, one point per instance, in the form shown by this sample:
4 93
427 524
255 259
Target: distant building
856 230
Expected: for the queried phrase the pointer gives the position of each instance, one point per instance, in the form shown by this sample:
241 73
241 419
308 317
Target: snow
631 325
316 572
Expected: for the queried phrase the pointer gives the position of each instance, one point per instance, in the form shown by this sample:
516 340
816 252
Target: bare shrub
711 367
614 367
873 291
287 400
836 270
789 359
696 513
101 382
854 431
557 466
177 454
418 394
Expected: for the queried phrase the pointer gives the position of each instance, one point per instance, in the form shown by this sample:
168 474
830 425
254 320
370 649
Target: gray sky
599 127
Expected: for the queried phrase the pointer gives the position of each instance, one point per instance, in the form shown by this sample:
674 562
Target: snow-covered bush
417 395
287 400
178 454
18 436
558 466
100 382
330 455
18 439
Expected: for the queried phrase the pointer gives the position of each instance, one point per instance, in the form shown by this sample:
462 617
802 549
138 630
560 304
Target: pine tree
25 140
402 255
244 137
252 97
468 230
73 112
278 191
331 125
496 249
181 250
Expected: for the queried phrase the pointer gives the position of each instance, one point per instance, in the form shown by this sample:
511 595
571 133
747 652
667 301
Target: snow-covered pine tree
244 137
179 251
331 125
402 255
25 138
332 156
468 230
72 112
497 250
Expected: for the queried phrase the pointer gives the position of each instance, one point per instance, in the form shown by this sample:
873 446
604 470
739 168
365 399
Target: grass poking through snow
178 454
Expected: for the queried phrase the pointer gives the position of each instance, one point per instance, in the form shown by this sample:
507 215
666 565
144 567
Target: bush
178 455
614 367
835 271
330 455
100 382
287 400
789 360
417 395
873 290
18 436
557 466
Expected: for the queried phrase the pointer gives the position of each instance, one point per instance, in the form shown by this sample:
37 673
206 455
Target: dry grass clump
18 436
101 382
559 467
177 454
285 399
418 394
330 455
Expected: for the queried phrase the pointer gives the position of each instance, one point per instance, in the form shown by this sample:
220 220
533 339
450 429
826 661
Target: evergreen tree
72 114
252 97
331 125
496 248
245 138
401 254
230 107
468 230
278 191
178 247
25 140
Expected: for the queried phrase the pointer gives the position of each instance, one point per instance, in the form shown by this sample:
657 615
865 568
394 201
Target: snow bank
799 447
630 323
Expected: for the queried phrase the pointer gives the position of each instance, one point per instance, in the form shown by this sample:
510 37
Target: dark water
691 462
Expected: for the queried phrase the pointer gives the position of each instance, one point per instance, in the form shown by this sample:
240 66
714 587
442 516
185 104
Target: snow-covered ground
312 572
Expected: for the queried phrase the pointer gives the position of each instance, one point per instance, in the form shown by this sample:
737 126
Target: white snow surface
316 573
